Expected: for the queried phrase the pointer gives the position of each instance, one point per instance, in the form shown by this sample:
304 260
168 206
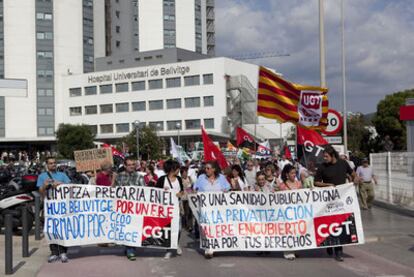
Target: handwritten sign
92 159
128 215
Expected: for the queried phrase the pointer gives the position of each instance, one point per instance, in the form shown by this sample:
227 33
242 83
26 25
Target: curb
394 208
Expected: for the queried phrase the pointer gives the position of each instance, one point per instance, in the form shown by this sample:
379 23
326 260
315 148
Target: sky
379 38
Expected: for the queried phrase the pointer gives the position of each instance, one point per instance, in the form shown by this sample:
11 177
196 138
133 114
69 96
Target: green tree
357 132
387 119
150 145
73 137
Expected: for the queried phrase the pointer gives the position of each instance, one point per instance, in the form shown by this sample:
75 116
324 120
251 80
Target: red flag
244 139
212 152
115 152
310 145
287 153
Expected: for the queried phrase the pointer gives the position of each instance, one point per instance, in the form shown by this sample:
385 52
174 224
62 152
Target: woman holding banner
172 182
289 182
261 184
238 180
212 180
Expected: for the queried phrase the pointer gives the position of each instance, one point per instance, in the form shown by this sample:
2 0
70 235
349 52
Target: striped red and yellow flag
281 100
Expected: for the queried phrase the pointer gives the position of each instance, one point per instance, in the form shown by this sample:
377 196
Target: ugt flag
310 146
288 102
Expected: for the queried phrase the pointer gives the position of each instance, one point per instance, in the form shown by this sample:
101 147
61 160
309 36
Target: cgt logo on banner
129 215
281 221
335 230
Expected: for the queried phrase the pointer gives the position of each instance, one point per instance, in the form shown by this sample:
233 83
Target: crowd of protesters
265 175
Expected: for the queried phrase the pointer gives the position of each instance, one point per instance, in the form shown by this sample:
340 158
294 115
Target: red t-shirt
153 182
103 180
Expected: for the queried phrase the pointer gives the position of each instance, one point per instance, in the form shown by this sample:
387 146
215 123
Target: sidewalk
29 266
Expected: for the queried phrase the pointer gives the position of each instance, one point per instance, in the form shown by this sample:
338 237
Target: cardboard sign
92 159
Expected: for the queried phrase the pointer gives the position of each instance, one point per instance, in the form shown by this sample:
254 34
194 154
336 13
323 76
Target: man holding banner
130 177
333 172
48 180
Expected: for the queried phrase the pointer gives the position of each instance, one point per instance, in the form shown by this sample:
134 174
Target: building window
117 13
208 101
106 108
73 92
44 54
122 127
41 111
156 125
169 45
192 102
138 85
192 124
209 123
174 125
155 84
174 103
107 128
118 29
123 87
48 16
41 131
122 107
141 125
105 89
44 35
169 3
117 43
93 129
156 105
192 80
169 17
91 109
208 79
169 33
138 106
50 131
45 92
90 90
75 111
173 82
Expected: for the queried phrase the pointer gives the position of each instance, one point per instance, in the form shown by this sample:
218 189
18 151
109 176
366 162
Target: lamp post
136 123
178 127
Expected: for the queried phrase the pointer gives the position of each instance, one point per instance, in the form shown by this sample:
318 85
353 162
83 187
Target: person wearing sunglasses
211 180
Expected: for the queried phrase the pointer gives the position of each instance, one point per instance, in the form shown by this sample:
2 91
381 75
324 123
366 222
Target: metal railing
395 174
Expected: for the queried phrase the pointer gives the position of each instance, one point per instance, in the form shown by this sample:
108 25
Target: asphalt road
389 251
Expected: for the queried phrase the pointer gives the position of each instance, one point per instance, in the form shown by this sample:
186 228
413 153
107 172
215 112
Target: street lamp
136 124
178 127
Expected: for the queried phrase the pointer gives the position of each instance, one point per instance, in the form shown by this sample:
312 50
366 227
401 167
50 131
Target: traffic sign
333 140
335 123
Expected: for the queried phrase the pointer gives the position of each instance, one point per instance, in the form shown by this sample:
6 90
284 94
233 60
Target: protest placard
281 221
127 215
91 159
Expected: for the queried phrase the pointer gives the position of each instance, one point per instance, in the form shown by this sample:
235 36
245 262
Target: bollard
25 233
8 245
37 217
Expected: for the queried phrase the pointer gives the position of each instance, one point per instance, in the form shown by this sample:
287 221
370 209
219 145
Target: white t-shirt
175 185
159 172
365 173
250 176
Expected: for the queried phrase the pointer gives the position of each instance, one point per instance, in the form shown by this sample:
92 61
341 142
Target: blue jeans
130 250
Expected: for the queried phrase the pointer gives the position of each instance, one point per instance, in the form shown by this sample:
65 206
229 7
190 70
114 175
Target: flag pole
344 79
322 42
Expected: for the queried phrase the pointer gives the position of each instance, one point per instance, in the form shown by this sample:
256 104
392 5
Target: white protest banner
281 221
129 215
